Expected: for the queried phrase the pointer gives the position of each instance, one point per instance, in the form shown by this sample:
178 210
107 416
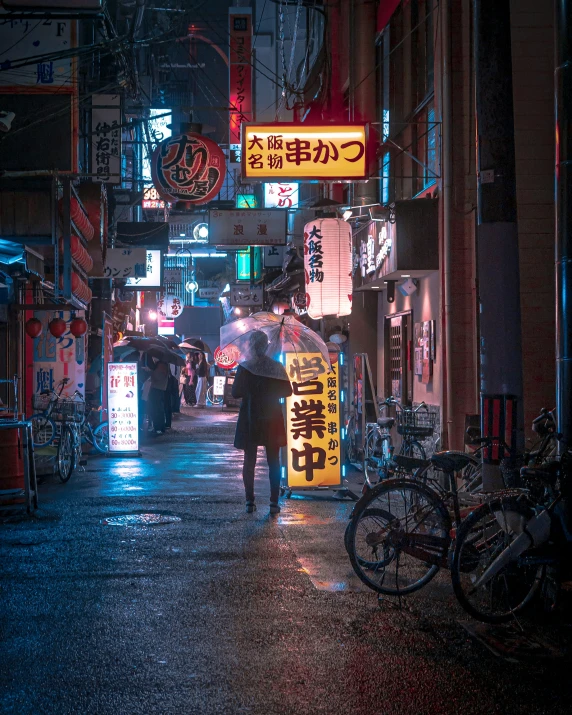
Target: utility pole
563 258
497 230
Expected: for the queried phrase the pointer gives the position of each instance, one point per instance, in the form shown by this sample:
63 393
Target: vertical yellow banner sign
314 455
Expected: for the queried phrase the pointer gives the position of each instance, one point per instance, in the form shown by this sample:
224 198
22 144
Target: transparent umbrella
285 335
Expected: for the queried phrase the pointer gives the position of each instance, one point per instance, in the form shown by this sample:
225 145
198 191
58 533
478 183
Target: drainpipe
563 257
497 228
447 170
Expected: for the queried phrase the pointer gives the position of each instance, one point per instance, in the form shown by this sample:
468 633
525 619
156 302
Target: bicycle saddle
450 461
386 422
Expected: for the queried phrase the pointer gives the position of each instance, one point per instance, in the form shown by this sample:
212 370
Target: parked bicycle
402 530
46 424
413 424
44 429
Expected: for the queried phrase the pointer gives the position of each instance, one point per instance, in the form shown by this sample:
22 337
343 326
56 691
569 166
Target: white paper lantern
328 267
170 306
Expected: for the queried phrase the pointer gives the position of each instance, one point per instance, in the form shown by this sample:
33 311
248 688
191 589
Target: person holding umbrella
261 382
202 371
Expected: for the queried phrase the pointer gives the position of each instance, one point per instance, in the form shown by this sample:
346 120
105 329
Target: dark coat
260 420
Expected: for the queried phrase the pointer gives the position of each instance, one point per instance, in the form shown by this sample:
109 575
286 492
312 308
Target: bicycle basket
416 424
70 410
41 402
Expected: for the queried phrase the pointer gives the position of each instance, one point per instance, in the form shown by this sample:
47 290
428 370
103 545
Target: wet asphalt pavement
223 611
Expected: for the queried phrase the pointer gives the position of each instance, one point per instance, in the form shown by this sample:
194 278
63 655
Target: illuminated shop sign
313 451
271 152
281 196
123 407
154 267
151 199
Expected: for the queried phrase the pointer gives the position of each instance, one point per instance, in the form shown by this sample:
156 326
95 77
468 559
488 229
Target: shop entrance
398 363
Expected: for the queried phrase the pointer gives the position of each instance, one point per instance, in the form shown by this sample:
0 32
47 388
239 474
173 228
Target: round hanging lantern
57 327
170 306
188 167
328 267
33 327
78 327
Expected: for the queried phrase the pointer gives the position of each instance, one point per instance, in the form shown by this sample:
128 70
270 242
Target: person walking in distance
261 382
202 371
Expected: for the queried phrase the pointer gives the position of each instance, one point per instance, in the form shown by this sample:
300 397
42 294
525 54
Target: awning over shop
15 253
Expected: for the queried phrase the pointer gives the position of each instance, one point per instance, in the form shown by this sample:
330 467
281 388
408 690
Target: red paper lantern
33 327
57 327
188 167
78 327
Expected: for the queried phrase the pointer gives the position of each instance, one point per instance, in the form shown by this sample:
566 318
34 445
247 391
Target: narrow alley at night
285 357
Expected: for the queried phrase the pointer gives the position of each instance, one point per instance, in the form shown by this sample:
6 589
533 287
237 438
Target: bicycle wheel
375 457
212 398
66 454
43 431
101 437
481 538
412 449
351 446
399 537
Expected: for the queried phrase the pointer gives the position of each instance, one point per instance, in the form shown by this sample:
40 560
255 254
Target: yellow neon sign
299 152
314 454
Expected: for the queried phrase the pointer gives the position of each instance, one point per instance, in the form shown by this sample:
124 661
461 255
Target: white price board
218 386
123 407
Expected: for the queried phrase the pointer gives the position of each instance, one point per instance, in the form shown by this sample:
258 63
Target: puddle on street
293 518
140 520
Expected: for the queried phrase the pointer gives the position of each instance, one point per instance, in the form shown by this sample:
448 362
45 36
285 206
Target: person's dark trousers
142 413
156 407
273 459
168 408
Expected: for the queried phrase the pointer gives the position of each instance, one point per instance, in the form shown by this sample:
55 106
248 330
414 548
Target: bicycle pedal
82 462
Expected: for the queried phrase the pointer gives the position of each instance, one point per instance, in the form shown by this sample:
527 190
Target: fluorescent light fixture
182 235
406 275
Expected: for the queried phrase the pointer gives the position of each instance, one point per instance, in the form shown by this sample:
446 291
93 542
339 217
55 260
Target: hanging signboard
172 275
248 227
106 139
243 264
246 296
153 279
281 196
151 199
313 451
209 293
188 167
271 152
240 70
125 263
123 407
227 358
273 256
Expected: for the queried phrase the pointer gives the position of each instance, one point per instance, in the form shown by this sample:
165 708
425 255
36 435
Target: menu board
123 407
314 457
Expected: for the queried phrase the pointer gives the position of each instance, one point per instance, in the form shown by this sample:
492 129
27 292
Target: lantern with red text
33 327
57 327
78 327
328 267
188 167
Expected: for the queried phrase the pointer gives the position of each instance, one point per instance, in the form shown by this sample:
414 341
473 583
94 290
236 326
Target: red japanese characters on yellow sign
314 455
304 152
